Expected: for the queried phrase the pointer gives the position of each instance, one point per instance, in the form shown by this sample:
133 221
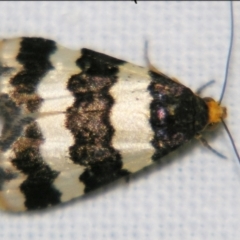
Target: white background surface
197 196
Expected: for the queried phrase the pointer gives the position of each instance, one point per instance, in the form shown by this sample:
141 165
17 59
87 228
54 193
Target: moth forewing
74 121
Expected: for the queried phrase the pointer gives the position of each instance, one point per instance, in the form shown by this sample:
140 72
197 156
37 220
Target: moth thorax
215 111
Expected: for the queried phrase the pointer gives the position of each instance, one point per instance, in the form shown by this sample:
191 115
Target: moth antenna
231 139
226 78
229 53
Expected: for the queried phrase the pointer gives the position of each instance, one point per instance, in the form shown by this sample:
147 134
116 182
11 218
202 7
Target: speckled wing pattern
72 121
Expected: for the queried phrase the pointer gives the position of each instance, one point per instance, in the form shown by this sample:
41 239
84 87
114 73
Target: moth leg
205 144
127 178
149 64
152 67
200 89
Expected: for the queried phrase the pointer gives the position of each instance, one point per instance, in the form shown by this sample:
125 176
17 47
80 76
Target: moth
73 121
